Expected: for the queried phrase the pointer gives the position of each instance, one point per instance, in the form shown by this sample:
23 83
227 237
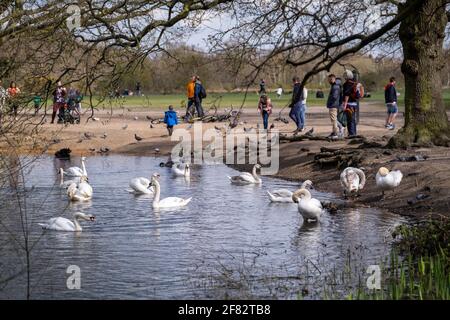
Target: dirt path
430 178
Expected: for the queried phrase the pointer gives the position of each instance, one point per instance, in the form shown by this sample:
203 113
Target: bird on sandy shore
388 180
157 150
88 135
104 150
137 137
136 118
125 126
95 119
149 118
151 126
309 132
352 180
92 149
103 136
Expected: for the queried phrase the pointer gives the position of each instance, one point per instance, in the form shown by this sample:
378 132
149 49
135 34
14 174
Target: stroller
69 113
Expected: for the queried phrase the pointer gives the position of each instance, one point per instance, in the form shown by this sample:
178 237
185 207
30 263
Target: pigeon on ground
125 126
137 137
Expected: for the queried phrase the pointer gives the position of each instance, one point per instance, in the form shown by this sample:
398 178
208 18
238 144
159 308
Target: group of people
66 101
9 99
342 103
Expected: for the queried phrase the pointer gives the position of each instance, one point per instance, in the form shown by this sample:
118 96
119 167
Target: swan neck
61 172
83 167
254 173
157 191
76 223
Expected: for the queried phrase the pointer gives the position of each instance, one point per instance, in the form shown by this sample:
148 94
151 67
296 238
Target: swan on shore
63 224
141 186
76 171
81 191
170 202
247 178
310 208
181 172
352 180
388 180
284 195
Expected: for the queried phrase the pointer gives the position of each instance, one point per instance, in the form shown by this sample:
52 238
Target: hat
348 75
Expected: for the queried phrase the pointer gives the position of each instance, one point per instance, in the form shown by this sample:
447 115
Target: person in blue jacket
170 119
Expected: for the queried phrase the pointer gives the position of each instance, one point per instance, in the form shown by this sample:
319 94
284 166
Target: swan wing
173 202
238 180
58 224
397 177
141 185
177 171
309 210
85 189
282 193
74 172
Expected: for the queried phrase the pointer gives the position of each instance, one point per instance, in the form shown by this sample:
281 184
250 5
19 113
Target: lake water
230 241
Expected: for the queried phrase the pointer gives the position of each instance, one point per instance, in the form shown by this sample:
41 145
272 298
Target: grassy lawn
225 100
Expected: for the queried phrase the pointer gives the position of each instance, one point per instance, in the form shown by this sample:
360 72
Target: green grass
226 100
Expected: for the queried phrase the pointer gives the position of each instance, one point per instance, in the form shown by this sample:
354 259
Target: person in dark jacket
198 97
170 119
297 114
333 104
390 97
350 102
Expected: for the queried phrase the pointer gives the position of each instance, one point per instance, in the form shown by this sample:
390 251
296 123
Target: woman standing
265 108
13 92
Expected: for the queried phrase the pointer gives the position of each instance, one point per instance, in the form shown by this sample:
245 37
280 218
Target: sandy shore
430 178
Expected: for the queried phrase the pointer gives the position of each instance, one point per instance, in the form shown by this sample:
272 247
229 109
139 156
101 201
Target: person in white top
279 92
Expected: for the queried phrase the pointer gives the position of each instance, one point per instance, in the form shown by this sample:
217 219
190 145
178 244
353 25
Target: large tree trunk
422 37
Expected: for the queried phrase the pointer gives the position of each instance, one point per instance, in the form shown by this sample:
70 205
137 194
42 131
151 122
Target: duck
81 191
247 178
284 195
170 202
352 180
141 186
63 224
177 171
67 183
388 180
310 208
76 171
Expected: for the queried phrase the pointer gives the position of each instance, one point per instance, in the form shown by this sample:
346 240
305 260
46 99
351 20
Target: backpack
202 92
357 91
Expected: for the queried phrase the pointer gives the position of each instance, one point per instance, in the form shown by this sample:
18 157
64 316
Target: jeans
351 121
265 116
297 114
198 105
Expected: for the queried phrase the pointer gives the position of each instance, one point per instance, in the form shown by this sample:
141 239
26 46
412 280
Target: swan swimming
67 183
284 195
170 202
76 171
247 178
141 186
81 191
63 224
310 208
352 180
386 180
186 172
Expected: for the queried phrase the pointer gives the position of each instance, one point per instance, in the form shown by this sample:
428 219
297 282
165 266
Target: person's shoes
391 127
387 126
295 131
334 137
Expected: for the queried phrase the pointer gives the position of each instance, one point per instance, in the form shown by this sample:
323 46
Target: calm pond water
230 241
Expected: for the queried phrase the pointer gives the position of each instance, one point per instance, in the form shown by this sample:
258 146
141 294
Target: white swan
63 224
67 183
141 186
169 202
386 180
81 191
284 195
76 171
186 172
352 180
247 178
309 208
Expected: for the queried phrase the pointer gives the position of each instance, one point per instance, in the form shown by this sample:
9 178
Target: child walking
170 119
37 103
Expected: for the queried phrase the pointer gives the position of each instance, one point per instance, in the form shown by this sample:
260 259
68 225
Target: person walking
170 119
262 87
37 103
279 92
59 99
265 109
351 97
199 94
191 97
297 113
333 104
138 89
3 97
390 97
13 93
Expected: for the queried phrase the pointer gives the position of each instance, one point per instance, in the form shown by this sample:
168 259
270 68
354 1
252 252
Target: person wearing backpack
352 94
200 94
390 97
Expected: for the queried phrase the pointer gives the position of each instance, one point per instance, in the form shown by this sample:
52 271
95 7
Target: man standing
262 87
390 97
198 94
297 114
351 97
333 104
138 89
